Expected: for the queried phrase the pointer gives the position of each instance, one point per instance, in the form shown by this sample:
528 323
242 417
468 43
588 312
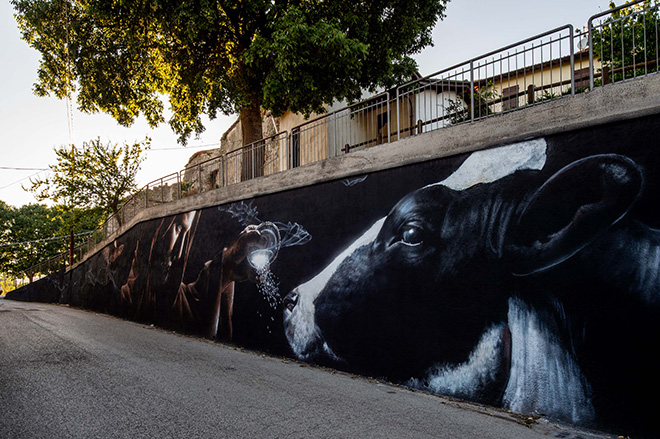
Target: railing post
146 196
223 167
334 138
571 35
591 53
471 91
287 148
252 162
199 178
389 118
398 115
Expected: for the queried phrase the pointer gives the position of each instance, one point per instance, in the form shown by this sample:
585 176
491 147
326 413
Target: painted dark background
334 214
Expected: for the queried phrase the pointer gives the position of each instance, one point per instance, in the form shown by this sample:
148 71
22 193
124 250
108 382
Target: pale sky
30 127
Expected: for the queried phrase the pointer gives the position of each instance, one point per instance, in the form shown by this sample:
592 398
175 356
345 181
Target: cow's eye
411 234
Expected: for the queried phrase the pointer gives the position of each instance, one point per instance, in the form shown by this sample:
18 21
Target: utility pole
71 243
69 116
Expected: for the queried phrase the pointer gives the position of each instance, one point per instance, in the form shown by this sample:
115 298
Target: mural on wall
525 276
509 282
164 271
434 290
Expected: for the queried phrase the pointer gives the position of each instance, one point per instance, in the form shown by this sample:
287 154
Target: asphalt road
71 373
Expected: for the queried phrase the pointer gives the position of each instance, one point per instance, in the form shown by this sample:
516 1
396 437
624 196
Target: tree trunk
117 213
253 152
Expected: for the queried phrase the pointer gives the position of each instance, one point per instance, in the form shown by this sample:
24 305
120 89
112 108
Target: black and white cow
501 286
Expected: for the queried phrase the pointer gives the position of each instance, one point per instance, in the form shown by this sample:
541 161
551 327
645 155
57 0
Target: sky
31 126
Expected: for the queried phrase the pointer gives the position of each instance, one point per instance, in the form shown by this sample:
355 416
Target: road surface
72 373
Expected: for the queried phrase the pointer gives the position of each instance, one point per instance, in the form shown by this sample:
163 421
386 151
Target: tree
26 236
32 233
243 56
626 42
5 236
459 110
98 176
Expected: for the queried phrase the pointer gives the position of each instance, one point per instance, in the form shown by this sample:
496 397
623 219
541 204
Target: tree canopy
97 176
124 57
32 233
25 233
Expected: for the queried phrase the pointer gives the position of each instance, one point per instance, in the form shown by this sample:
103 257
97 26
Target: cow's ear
569 210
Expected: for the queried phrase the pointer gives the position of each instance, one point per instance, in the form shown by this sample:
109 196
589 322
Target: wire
23 169
184 147
18 181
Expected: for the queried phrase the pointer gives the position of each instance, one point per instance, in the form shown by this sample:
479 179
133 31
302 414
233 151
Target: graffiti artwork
446 292
525 276
505 283
181 272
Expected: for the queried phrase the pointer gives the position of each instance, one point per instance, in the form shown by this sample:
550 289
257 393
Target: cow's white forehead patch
493 164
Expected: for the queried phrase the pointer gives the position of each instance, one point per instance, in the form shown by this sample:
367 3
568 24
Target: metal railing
625 40
535 69
622 44
48 266
263 157
353 127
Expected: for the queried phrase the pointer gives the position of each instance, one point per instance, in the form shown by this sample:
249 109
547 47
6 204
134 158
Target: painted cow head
432 281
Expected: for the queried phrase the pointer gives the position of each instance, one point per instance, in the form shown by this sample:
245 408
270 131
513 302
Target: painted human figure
216 310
